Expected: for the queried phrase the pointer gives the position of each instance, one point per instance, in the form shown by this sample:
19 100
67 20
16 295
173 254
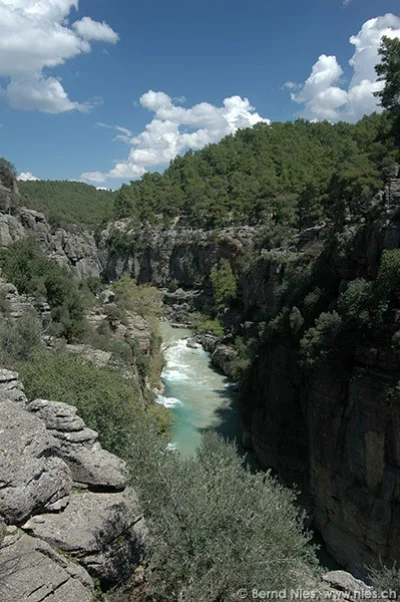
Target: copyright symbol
242 593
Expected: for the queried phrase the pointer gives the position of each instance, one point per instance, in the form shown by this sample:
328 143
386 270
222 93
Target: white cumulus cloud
324 94
27 176
35 37
175 129
92 30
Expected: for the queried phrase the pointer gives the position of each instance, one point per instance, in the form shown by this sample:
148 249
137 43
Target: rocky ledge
69 521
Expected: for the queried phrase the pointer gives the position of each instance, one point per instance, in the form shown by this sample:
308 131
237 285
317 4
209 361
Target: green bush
321 339
26 266
386 579
106 401
214 527
94 284
296 320
386 285
224 284
18 339
213 327
8 173
143 299
354 303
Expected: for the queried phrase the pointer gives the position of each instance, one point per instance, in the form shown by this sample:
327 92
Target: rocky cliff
69 520
335 430
76 250
170 256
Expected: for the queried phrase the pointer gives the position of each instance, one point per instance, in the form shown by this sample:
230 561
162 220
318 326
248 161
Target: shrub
213 327
312 299
386 285
321 339
224 284
354 303
106 401
4 303
18 339
142 299
215 527
26 266
296 320
8 173
94 284
386 579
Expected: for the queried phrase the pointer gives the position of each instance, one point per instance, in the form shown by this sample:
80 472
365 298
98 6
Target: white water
199 397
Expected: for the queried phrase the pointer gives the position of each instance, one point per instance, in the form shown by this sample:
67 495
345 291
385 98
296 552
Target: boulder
224 358
107 296
10 230
208 341
344 582
31 571
97 357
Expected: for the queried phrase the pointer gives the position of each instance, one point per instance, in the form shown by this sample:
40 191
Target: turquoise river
200 397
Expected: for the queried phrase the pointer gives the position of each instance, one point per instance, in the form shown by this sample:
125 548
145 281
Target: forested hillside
288 172
65 203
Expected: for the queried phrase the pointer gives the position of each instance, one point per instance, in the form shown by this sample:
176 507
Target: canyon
333 433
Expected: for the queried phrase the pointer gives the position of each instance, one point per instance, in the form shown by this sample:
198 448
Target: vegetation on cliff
110 399
26 266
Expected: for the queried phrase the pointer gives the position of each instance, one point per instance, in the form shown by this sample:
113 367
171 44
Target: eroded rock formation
75 250
69 516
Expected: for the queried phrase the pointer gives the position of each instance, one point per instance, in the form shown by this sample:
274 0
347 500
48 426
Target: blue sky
67 67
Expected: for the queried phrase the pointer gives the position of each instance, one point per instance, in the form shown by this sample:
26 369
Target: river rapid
199 396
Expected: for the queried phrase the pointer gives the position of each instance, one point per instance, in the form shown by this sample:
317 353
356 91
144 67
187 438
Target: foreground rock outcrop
69 516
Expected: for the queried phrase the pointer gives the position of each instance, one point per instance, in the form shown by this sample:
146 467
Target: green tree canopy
389 72
8 173
68 203
278 174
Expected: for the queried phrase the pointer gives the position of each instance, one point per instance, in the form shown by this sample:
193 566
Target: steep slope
320 403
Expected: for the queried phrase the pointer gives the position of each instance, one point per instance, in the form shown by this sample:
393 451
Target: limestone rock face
161 256
29 478
11 388
45 450
77 446
31 571
76 251
88 528
11 230
338 585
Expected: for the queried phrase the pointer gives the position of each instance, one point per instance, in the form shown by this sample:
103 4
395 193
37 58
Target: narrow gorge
332 430
283 339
